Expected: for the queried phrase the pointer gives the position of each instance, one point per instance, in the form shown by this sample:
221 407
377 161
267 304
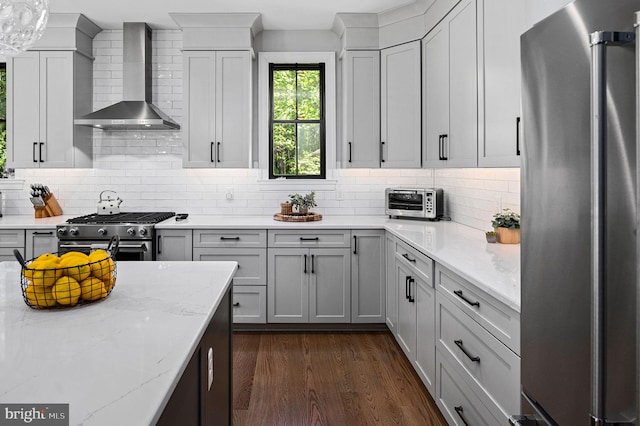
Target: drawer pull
459 294
235 305
309 239
230 238
461 346
460 412
406 256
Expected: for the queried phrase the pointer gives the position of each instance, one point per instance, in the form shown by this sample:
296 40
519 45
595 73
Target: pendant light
22 23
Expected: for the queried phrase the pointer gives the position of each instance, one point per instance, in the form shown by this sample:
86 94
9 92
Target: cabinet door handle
35 144
349 152
313 267
382 152
517 135
469 302
460 412
42 233
213 160
40 152
406 256
440 147
230 238
444 147
406 287
355 244
218 152
309 239
464 350
411 299
159 244
235 305
305 263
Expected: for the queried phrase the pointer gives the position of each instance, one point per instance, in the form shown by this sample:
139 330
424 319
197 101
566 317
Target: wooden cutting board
309 217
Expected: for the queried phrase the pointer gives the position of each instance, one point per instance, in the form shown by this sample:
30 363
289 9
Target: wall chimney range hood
135 111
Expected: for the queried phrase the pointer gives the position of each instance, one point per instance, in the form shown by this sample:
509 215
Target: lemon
73 254
46 272
40 296
101 264
76 268
92 289
109 282
48 256
66 291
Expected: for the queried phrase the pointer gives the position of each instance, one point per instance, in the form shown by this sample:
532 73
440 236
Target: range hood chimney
135 111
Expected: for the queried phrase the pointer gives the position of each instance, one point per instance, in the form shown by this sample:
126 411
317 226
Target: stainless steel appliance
136 231
411 202
135 111
579 319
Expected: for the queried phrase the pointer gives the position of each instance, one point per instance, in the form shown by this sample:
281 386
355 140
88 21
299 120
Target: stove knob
143 231
102 231
62 231
73 231
131 231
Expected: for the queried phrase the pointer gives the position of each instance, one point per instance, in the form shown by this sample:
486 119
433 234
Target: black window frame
322 120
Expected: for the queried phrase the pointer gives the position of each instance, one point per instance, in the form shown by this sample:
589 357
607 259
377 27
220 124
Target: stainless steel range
136 231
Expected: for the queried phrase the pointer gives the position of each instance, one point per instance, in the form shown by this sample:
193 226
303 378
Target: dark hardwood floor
326 378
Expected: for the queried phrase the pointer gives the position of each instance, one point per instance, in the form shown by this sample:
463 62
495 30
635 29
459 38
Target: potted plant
302 203
492 237
507 226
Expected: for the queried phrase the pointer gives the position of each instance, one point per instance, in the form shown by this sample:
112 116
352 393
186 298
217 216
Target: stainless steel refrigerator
579 216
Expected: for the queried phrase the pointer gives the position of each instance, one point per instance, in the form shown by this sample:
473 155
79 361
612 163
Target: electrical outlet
229 193
339 194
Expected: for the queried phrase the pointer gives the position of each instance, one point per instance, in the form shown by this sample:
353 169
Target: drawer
416 260
229 238
252 263
492 370
6 254
310 238
12 238
499 319
250 304
457 402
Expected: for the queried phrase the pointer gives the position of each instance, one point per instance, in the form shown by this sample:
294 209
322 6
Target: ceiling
276 14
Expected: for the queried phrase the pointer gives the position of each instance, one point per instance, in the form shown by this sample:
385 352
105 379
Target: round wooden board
309 217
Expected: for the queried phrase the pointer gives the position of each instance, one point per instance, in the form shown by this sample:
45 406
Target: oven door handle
130 248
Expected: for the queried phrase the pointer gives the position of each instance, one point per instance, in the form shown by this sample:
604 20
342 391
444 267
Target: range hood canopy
135 111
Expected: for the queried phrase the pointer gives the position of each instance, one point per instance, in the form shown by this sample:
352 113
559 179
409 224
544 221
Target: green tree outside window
297 121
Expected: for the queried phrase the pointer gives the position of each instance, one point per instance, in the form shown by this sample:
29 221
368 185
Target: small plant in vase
507 226
492 237
302 203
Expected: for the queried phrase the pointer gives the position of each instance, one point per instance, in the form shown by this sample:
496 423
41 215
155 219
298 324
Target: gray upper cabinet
501 24
217 108
361 73
45 90
400 112
450 90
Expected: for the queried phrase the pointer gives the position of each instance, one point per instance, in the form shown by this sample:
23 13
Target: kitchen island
119 360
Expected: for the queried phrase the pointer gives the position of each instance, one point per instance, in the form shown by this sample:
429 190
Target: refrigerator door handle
600 40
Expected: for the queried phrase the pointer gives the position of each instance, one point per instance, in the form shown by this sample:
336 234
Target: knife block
51 208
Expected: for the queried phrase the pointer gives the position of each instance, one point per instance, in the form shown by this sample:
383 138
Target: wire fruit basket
63 280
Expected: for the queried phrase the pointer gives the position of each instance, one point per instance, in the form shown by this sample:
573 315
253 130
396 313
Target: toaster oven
420 203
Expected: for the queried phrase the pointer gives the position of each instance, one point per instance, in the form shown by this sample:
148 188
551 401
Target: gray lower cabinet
174 244
248 247
368 271
11 239
40 241
391 313
309 285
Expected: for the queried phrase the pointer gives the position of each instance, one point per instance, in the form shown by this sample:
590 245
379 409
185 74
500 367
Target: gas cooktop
122 218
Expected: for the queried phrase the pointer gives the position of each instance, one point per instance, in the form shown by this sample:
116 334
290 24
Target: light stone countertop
115 361
494 268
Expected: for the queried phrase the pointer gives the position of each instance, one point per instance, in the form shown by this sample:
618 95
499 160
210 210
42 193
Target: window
3 116
297 121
